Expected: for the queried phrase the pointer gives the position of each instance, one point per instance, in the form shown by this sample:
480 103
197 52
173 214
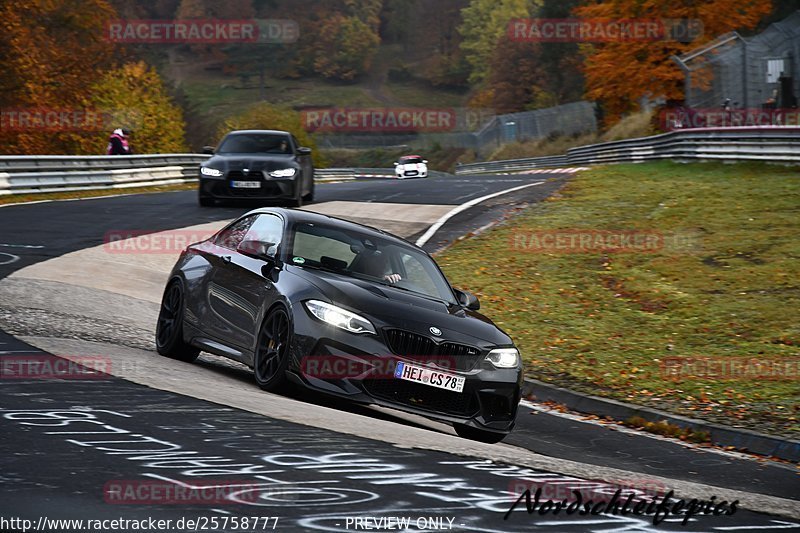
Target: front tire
480 435
308 198
205 201
169 328
297 201
272 351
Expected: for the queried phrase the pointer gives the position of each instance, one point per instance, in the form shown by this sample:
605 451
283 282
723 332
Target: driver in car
373 263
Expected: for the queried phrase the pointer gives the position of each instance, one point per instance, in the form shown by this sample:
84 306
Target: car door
240 290
216 253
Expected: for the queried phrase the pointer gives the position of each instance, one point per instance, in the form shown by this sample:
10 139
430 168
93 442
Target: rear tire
480 435
169 328
272 352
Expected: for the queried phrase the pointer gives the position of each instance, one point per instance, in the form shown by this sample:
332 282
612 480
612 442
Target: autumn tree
619 74
50 53
133 97
228 9
517 78
214 9
484 23
345 47
561 62
267 116
526 75
432 43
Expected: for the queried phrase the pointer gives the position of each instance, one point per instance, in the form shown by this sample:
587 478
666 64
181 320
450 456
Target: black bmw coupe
314 301
257 164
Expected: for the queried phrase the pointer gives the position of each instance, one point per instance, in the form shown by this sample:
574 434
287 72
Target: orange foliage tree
50 52
133 97
619 74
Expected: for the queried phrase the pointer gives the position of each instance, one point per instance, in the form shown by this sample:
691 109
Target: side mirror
266 251
395 163
425 161
303 151
208 150
468 300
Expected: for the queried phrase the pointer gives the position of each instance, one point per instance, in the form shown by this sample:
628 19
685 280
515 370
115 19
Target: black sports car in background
337 307
257 164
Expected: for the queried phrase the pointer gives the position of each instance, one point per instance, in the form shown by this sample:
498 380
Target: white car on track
411 166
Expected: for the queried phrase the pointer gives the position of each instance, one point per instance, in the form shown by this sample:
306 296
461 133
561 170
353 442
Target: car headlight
341 318
504 357
208 171
283 173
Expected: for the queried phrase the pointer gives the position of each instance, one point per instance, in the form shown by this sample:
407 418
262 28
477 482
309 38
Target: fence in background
746 70
568 119
771 144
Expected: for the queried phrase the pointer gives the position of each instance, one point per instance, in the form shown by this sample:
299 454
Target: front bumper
272 188
412 174
489 400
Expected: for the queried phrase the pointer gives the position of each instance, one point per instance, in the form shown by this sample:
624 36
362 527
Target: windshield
410 160
364 256
255 143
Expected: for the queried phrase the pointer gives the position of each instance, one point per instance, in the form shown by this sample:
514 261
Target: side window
313 247
296 143
266 229
416 275
231 236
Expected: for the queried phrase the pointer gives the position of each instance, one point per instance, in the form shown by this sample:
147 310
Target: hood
252 162
386 306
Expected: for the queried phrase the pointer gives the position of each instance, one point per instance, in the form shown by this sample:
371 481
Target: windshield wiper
412 291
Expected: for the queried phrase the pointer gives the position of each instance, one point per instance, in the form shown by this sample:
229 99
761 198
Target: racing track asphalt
62 227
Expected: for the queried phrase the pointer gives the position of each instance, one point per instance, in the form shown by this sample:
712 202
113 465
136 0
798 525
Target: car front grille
423 396
417 347
224 189
238 175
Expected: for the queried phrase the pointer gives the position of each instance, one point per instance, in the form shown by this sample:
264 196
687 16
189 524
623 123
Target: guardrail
57 163
64 173
773 144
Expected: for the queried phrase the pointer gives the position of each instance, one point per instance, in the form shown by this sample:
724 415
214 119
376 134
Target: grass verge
702 323
22 198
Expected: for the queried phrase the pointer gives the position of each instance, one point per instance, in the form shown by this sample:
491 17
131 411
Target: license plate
427 376
246 184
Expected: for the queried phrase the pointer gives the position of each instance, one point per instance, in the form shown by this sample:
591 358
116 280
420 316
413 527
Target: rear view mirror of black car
468 300
208 150
257 249
303 151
